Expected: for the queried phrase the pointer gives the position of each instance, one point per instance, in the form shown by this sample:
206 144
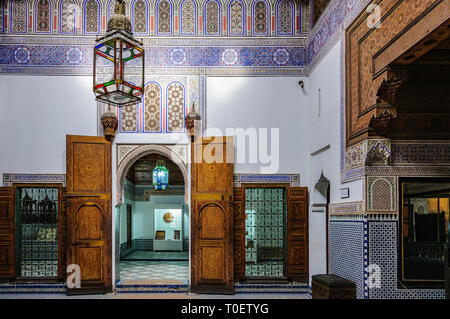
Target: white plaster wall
36 113
324 129
262 102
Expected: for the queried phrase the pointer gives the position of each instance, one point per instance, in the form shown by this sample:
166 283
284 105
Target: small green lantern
160 175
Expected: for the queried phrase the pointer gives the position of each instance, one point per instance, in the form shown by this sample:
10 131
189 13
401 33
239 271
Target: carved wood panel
7 260
297 233
89 212
212 215
371 51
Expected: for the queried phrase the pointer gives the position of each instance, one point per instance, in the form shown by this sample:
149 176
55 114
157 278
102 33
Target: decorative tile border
51 56
292 179
10 179
347 208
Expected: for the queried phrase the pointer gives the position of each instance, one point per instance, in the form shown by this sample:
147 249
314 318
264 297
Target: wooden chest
332 287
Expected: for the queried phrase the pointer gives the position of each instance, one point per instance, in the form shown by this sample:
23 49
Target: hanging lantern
119 62
160 175
193 122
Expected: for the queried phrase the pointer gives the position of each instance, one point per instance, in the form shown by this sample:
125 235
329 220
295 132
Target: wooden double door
217 218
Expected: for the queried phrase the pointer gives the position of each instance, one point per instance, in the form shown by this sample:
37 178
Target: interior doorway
154 225
265 232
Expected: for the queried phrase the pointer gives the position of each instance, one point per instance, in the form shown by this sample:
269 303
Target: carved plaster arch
139 152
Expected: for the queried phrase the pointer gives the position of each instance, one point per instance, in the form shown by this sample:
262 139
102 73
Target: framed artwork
160 235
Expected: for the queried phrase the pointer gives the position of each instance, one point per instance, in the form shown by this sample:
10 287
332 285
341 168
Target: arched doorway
153 228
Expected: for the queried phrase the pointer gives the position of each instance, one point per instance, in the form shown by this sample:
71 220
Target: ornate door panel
211 215
7 259
297 233
88 202
239 233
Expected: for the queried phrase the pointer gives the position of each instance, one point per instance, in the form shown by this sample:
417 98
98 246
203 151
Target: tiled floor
154 270
157 255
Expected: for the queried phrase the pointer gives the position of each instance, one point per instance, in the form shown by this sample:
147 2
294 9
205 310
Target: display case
168 229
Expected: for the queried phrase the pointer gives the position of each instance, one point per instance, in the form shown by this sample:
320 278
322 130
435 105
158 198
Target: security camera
301 83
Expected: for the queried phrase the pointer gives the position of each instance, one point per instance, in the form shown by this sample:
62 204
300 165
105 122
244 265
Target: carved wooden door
212 215
297 233
88 202
7 257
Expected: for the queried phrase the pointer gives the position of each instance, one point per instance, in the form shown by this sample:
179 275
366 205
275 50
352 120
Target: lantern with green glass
119 62
160 175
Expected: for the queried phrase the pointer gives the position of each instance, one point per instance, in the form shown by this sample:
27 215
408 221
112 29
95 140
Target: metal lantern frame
117 49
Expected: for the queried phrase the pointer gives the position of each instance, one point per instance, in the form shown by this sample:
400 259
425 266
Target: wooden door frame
62 227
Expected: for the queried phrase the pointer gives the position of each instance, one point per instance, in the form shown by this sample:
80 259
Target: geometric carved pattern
140 16
92 16
19 16
128 118
188 17
285 14
88 170
212 19
43 16
305 17
175 107
236 17
67 13
212 223
260 17
164 17
381 192
152 107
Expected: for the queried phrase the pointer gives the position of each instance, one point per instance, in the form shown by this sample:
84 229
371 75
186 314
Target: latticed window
152 108
43 16
265 211
140 16
236 17
175 107
212 17
260 16
91 16
164 17
188 17
67 16
18 16
37 232
285 17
